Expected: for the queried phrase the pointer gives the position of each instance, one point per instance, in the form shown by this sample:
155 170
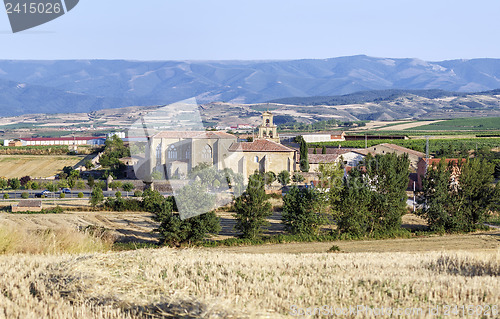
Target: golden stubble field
35 166
212 283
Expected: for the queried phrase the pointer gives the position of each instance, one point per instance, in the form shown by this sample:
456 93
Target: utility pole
366 141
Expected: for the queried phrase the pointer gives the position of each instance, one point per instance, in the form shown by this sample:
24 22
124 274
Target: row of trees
457 197
371 199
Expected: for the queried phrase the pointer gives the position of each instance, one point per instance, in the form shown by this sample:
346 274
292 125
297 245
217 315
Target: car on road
43 193
66 191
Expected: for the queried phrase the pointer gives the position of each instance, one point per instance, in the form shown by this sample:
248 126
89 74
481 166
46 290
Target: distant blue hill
89 85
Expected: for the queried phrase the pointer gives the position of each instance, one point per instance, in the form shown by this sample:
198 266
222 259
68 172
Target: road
74 194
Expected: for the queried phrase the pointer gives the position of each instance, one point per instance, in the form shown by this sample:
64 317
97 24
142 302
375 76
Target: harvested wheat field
201 283
35 166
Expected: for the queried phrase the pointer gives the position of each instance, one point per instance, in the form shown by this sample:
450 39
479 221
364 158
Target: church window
206 152
172 152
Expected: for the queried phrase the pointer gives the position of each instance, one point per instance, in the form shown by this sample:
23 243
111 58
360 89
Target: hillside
89 85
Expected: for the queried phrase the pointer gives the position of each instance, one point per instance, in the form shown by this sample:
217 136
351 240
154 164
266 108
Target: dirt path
485 241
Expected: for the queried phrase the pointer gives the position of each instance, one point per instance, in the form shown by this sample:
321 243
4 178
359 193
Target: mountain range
91 85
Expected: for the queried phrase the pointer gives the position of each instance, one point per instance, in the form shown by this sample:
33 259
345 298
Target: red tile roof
194 134
259 145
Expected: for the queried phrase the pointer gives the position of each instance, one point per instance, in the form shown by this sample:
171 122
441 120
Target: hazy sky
256 29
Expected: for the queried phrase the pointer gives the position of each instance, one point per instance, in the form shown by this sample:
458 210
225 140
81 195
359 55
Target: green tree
269 178
352 209
118 194
153 201
14 183
62 183
115 185
315 151
114 149
304 161
284 177
25 195
28 185
80 184
373 198
51 187
194 199
458 202
301 213
3 183
297 177
323 150
88 165
389 177
436 197
91 181
96 197
331 179
128 186
474 193
252 208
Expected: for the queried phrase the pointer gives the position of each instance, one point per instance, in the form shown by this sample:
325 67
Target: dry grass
203 283
35 166
52 241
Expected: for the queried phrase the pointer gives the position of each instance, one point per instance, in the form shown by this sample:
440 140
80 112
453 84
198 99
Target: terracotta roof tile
259 146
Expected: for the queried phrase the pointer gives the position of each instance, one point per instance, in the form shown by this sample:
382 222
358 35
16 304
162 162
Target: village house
27 205
386 148
424 164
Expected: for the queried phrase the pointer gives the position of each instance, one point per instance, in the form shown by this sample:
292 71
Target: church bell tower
267 130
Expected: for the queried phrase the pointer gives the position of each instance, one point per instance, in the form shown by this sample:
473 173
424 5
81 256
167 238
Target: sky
261 30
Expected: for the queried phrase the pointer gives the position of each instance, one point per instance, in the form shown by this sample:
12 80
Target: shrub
115 185
297 177
80 195
5 196
62 195
128 186
137 194
118 194
284 177
25 195
334 249
269 178
174 231
121 204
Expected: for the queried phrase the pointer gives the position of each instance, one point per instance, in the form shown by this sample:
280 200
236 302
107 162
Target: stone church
175 153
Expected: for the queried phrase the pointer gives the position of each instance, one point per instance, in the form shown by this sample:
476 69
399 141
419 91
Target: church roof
194 135
259 145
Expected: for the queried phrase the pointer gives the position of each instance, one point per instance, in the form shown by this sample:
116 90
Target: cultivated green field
468 124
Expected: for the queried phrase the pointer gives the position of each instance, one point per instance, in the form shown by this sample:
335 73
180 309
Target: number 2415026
13 8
